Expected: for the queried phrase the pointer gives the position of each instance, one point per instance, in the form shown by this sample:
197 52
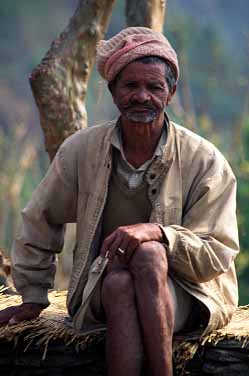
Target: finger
24 314
133 244
124 246
114 246
106 243
6 314
13 321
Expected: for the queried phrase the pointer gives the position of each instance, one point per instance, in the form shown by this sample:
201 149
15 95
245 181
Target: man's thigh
182 301
183 305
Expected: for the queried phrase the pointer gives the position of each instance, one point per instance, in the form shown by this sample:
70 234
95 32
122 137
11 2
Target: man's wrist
35 294
34 304
162 236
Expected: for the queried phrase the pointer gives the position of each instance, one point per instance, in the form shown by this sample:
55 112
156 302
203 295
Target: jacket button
152 176
153 191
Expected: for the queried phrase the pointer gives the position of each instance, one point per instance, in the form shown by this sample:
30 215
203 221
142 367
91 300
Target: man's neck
140 140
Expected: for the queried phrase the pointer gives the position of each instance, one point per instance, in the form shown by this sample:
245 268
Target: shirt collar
116 141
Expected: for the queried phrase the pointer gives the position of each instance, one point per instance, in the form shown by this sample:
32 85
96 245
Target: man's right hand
15 314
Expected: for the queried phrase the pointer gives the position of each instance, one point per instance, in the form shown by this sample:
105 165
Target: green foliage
242 171
215 75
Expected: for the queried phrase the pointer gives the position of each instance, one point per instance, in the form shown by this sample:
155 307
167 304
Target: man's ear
111 87
171 94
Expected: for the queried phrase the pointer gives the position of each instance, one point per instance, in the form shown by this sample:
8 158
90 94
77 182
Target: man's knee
149 259
117 287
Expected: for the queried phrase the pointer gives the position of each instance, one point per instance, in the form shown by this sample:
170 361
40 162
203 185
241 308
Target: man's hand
15 314
128 238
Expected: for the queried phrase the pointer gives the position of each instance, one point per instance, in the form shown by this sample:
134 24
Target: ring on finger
120 252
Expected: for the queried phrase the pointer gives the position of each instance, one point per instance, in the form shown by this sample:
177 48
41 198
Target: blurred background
212 41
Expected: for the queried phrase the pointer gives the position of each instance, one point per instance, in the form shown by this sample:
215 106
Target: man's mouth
140 108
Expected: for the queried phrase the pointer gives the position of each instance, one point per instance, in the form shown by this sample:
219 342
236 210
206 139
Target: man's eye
130 84
156 87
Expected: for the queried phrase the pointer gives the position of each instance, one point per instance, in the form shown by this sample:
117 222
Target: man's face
141 92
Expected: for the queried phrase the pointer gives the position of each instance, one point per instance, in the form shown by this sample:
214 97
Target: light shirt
131 175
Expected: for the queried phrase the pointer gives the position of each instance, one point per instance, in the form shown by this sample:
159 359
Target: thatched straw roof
52 325
185 347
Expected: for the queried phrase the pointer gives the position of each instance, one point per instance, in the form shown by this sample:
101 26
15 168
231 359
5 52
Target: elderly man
155 211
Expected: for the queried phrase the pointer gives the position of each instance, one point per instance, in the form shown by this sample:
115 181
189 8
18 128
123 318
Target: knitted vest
125 206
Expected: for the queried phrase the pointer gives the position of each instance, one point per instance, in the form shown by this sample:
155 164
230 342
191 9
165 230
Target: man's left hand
128 238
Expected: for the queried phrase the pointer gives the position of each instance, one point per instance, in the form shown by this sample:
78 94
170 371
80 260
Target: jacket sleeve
41 234
207 242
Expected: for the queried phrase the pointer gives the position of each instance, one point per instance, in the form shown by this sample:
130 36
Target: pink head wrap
130 44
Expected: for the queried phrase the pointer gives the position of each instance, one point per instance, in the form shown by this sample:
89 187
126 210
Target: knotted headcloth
129 45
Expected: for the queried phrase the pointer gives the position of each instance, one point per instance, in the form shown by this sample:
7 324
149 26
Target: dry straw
185 347
51 325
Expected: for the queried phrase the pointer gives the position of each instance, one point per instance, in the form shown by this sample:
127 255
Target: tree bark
148 13
59 82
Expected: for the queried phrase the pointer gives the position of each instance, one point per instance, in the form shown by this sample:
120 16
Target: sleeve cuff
169 237
35 294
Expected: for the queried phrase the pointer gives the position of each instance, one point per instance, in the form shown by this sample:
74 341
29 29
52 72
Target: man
155 211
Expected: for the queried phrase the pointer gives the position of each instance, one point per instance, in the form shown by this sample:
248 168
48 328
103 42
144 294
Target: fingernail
13 321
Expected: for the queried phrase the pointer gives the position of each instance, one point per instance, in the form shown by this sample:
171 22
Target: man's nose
141 95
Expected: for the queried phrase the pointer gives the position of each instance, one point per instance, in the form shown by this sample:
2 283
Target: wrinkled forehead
138 70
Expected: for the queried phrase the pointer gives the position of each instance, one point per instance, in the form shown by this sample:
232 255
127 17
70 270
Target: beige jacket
193 195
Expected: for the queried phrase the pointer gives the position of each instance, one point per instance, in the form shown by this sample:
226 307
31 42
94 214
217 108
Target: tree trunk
59 82
148 13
